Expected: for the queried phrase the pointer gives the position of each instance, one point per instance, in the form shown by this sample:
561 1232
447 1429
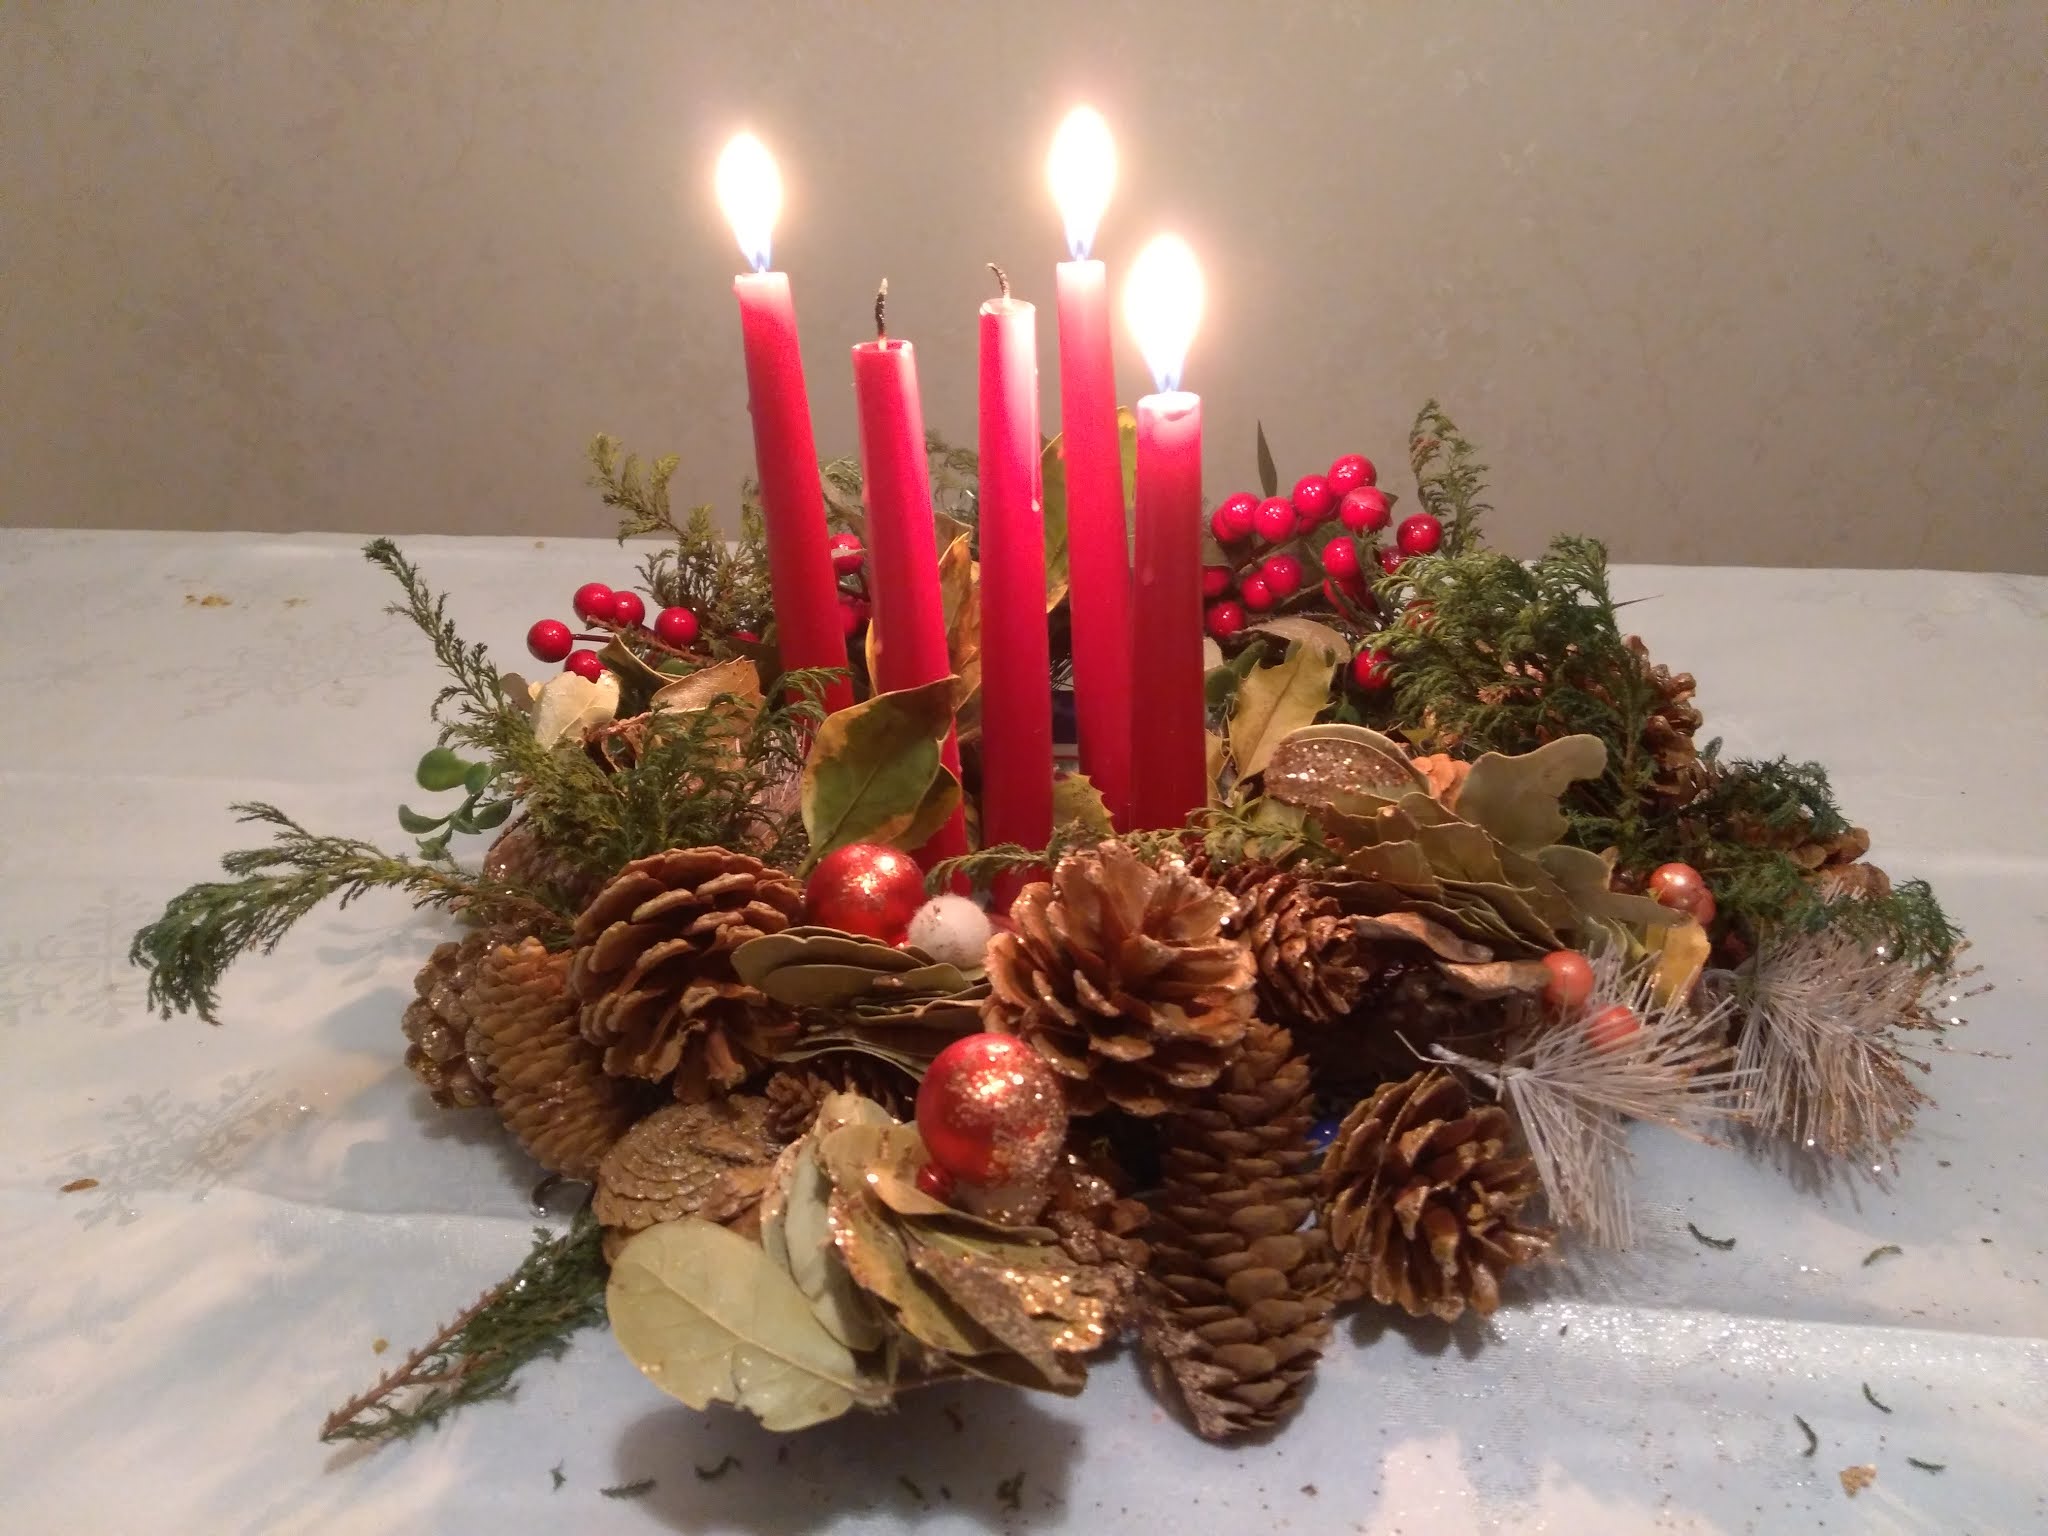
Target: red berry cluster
1283 545
849 564
618 613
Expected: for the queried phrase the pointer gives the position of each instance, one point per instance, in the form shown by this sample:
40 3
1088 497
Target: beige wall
1762 282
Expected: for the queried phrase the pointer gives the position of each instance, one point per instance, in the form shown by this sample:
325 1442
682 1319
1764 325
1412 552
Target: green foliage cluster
724 582
1449 479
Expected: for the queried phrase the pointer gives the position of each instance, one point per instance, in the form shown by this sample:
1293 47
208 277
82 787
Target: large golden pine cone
1121 975
1312 965
548 1082
653 969
442 1048
1238 1287
1423 1198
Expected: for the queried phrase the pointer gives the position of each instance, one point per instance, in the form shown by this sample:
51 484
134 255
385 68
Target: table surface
275 1195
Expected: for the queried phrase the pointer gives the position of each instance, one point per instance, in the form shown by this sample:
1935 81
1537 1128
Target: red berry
745 637
1344 592
1372 670
853 612
675 626
1364 510
1610 1028
1233 520
593 601
1340 557
1683 889
1419 535
847 554
1389 558
1313 499
1275 520
585 665
1215 580
627 609
1349 473
1570 982
1257 595
1282 575
1224 619
549 640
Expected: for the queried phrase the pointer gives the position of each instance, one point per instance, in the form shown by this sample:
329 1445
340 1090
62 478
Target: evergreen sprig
473 681
557 1290
725 583
1449 479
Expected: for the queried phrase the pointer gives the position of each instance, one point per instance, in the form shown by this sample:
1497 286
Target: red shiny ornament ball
1420 534
1215 580
936 1182
865 888
1340 557
853 612
1571 980
1274 521
991 1112
585 665
593 601
1233 520
1255 594
627 609
1610 1028
676 626
1365 510
549 640
1372 670
1389 558
1224 619
847 553
1683 889
1348 473
1282 575
1313 498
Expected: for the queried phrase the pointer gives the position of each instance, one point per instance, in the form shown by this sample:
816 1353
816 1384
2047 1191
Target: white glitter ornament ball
951 929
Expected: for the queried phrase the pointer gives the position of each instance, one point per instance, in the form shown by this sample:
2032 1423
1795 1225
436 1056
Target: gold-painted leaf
1301 630
872 766
1682 950
1345 768
803 1230
1584 876
738 679
1439 940
1274 702
1516 798
1076 799
710 1318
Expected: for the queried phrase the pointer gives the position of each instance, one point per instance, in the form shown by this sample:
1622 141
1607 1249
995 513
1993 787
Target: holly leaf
1269 474
870 776
1076 799
1274 702
440 769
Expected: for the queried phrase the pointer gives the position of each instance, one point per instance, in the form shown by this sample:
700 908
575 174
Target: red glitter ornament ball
991 1112
865 888
1683 889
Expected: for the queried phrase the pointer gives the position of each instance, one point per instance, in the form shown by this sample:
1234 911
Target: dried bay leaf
738 680
813 1261
708 1317
1516 798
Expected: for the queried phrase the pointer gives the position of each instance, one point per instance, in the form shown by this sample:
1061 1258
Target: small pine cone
710 1160
1423 1199
1408 1005
1238 1287
1865 882
794 1093
1119 972
1312 964
442 1052
653 969
547 1080
518 857
1669 732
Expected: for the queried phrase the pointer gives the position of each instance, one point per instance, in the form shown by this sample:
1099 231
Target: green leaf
940 801
441 769
485 817
1076 799
478 779
872 767
709 1317
1219 687
415 823
1052 475
459 821
1269 475
1516 798
434 847
1273 702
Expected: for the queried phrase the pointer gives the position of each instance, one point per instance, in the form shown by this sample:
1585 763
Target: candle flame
1163 305
1082 169
750 192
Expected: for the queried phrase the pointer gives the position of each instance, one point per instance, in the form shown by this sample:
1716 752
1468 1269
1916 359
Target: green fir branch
474 681
1449 479
557 1290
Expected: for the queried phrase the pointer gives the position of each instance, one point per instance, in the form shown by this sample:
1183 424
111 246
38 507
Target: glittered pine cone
1120 974
709 1160
518 857
546 1079
1238 1287
652 967
1422 1196
442 1048
794 1093
1674 721
1312 965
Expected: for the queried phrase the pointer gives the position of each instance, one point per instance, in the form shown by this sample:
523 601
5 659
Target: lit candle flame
750 192
1082 169
1163 305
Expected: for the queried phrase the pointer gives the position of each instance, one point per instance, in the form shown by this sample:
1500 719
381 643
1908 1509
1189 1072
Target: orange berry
1611 1028
1571 980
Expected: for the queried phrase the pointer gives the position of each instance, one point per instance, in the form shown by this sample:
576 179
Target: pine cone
794 1093
1311 963
1411 1003
1239 1288
518 857
1668 733
653 968
443 1053
1423 1198
547 1080
710 1161
1120 974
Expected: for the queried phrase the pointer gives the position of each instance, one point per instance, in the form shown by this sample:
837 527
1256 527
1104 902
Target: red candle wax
1167 714
1098 552
805 593
1016 664
909 620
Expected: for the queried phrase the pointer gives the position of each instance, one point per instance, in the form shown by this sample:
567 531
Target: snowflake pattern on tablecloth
160 1142
79 974
334 663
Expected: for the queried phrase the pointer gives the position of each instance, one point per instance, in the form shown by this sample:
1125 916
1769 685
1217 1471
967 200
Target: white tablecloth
276 1194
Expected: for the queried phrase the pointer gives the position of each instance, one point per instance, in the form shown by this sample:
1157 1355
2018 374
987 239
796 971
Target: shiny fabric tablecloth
275 1195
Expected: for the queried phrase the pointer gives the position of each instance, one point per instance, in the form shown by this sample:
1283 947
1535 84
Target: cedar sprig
557 1290
724 583
1449 479
473 686
204 929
